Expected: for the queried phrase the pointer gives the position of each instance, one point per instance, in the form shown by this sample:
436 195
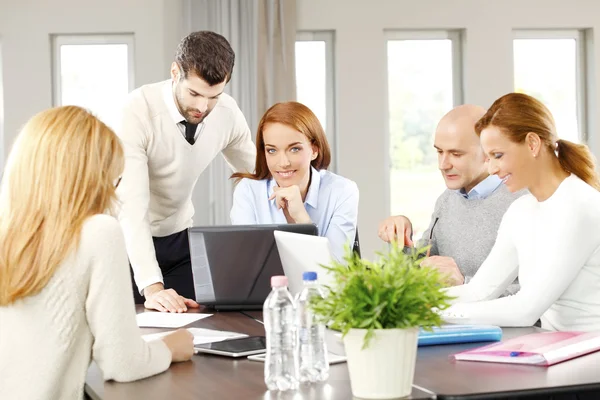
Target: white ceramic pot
385 369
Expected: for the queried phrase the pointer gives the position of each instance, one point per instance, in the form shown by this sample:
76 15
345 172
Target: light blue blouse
331 202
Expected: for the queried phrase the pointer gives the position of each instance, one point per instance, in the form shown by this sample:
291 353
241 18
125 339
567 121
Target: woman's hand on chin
290 199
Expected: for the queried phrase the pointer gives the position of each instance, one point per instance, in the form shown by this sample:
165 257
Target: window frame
327 36
92 39
457 37
581 68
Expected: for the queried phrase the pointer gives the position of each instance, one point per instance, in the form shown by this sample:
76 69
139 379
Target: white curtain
262 34
276 49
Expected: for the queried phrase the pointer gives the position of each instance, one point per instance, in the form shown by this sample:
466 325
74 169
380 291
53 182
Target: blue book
447 334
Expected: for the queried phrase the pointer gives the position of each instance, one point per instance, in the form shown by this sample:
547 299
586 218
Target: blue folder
447 334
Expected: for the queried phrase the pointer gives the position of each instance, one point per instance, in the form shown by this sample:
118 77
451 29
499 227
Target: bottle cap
309 276
279 281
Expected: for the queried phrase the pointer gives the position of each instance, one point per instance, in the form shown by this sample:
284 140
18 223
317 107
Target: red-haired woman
291 183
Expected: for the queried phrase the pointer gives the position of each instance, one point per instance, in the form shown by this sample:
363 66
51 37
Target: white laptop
301 253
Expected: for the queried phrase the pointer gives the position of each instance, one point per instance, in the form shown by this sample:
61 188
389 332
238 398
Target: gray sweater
466 229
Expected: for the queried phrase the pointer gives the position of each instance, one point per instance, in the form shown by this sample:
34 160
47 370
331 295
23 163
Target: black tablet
240 347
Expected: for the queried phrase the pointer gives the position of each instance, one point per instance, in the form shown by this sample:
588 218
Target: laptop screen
232 265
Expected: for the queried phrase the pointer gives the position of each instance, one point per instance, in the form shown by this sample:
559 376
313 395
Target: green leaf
391 292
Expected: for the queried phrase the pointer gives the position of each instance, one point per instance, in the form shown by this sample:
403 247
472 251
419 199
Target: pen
431 235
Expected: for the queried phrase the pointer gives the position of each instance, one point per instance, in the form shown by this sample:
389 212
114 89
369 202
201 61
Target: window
315 80
549 65
423 84
95 72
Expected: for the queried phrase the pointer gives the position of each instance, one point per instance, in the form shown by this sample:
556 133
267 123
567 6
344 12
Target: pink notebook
546 348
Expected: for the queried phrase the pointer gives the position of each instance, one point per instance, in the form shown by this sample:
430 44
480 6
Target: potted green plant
379 307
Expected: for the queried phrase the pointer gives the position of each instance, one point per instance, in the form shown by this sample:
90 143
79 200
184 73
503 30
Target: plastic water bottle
281 363
314 366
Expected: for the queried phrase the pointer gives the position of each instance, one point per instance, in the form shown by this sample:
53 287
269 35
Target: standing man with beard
171 131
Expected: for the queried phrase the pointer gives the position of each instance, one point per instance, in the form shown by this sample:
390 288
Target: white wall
25 61
25 29
26 26
488 71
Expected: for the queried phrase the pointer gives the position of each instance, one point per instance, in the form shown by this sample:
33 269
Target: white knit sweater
162 168
86 311
554 248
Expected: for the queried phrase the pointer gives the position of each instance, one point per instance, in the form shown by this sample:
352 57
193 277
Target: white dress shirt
176 115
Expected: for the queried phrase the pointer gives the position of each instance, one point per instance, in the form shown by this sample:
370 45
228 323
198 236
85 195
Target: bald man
467 215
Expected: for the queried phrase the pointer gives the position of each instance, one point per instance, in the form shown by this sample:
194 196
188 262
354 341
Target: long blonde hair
61 170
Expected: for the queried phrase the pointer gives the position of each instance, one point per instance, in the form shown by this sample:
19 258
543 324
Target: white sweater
553 247
162 168
86 311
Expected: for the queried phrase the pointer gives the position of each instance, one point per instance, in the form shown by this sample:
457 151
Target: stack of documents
201 335
173 320
167 320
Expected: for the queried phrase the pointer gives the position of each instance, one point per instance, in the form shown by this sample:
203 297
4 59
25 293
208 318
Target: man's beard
189 117
187 113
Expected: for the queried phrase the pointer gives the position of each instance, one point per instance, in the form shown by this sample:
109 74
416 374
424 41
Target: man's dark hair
208 55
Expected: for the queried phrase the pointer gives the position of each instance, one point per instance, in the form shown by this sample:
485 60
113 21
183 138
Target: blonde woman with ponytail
65 296
549 238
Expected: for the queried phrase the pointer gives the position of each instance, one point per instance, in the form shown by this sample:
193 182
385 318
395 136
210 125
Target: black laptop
232 265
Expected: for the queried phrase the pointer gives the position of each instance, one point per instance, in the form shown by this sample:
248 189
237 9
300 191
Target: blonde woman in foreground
65 293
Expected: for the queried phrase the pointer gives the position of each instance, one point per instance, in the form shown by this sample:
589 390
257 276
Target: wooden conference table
215 377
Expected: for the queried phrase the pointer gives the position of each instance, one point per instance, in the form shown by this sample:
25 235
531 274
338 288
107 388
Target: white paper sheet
201 335
167 320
